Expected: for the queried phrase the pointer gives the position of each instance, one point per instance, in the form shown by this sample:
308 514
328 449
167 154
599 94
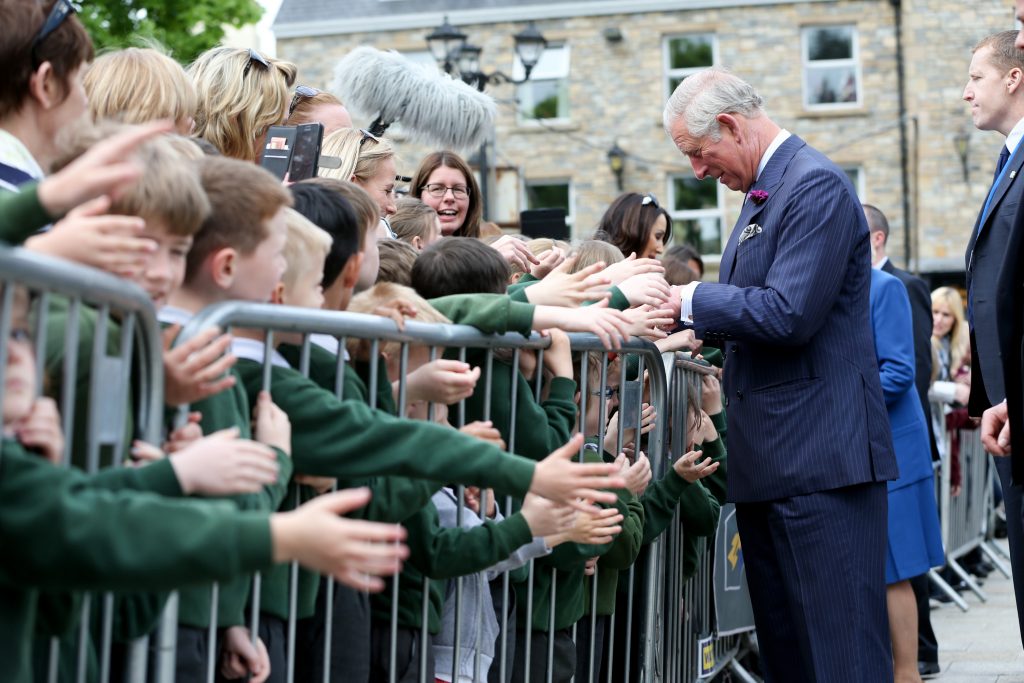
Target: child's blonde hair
589 252
138 85
959 338
169 189
361 154
413 218
240 98
381 294
306 242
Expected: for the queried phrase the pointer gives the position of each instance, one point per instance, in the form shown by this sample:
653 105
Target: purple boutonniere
758 197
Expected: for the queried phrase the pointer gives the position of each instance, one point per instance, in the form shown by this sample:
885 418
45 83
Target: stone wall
617 92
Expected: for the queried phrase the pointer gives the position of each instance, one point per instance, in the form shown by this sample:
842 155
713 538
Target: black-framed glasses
649 198
367 135
439 190
302 92
255 58
60 11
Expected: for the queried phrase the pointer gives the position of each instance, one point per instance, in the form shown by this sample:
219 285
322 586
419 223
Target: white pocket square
750 231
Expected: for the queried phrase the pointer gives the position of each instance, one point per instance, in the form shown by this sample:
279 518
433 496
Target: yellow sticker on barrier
706 665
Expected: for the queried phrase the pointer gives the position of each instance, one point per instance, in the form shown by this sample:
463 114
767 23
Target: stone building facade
827 69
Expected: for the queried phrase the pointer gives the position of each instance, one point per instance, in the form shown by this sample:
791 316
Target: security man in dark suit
995 91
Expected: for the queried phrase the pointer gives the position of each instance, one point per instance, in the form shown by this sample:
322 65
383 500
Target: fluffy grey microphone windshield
432 107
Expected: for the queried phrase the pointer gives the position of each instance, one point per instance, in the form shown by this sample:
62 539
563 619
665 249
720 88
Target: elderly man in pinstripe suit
809 443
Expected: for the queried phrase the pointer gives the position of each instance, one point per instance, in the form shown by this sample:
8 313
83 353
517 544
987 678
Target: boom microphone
433 108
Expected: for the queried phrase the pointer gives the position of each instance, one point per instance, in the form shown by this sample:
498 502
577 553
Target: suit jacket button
739 394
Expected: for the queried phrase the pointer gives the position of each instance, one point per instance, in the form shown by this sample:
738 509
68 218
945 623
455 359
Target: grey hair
700 98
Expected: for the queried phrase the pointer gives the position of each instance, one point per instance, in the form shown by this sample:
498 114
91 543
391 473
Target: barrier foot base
995 555
948 590
742 674
968 579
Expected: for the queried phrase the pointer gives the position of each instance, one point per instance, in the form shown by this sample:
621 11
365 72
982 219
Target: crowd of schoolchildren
132 164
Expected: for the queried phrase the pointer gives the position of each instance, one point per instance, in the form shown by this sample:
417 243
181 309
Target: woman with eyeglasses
366 160
241 95
636 223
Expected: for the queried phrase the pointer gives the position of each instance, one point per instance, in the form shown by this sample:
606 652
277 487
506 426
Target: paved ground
983 644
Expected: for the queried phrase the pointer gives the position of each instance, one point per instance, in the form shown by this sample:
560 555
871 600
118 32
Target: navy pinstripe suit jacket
806 411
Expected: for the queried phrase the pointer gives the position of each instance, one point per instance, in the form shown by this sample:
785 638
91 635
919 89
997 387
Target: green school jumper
61 533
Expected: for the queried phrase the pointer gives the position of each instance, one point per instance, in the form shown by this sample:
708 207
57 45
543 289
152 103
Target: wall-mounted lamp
613 34
617 163
961 142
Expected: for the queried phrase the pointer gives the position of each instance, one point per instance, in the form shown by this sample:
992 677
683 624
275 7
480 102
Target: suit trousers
816 571
1013 502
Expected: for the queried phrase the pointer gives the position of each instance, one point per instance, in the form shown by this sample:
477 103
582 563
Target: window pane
830 43
549 196
687 52
673 83
692 194
545 100
705 234
830 85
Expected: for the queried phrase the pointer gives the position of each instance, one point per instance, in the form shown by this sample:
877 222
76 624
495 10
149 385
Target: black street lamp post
457 57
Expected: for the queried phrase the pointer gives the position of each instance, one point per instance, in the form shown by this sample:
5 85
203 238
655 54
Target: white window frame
696 214
666 63
539 75
807 66
570 213
859 185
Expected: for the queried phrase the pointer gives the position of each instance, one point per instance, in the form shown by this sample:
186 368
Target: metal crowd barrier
343 326
92 300
692 647
965 519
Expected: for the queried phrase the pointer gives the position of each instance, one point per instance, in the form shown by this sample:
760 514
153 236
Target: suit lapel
1013 170
769 181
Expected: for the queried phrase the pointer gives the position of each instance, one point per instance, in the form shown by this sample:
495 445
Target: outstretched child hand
645 289
397 310
91 236
185 435
558 356
560 288
40 431
197 368
637 475
442 381
240 658
679 341
270 424
548 261
516 252
559 479
224 465
647 321
711 395
619 272
692 469
354 552
611 327
648 421
546 518
597 527
485 431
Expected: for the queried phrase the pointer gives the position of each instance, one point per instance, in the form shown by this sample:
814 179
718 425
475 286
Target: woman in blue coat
915 540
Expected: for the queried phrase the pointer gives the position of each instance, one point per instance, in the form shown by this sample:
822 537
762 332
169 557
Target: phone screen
308 137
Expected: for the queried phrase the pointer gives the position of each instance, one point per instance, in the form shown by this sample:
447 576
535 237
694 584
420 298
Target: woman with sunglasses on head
43 48
241 95
310 105
365 159
636 223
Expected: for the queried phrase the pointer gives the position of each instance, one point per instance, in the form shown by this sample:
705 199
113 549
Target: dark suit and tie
990 322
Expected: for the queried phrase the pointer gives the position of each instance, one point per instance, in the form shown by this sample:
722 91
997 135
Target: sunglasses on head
60 11
257 58
303 92
367 135
649 198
